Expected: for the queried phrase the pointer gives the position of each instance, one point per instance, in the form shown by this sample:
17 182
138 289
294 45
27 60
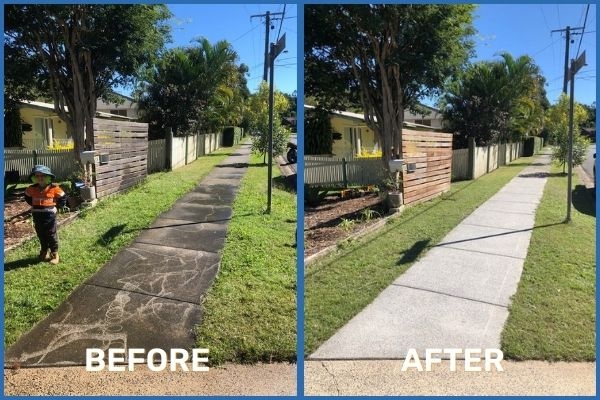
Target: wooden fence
428 160
62 163
126 144
341 172
157 161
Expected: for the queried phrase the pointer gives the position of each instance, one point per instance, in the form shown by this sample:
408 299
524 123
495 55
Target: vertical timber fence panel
429 156
157 160
62 163
341 172
126 144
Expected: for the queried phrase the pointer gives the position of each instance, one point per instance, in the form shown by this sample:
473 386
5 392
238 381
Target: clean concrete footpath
149 294
457 295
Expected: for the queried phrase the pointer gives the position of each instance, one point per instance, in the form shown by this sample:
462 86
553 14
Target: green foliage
314 195
258 117
367 266
318 135
553 314
197 88
250 311
495 101
78 52
557 123
383 57
33 290
13 130
368 214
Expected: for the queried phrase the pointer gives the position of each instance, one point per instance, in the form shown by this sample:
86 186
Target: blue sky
232 22
526 29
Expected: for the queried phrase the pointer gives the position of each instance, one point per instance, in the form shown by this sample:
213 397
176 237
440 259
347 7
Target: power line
238 38
281 23
584 22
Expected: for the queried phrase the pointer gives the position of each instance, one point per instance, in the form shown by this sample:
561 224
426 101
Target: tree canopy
198 87
496 101
258 118
384 57
79 52
557 124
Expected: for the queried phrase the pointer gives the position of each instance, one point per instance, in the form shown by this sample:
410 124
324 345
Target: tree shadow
584 200
541 175
287 183
110 235
235 165
411 254
23 263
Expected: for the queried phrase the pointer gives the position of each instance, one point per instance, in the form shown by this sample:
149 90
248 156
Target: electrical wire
583 31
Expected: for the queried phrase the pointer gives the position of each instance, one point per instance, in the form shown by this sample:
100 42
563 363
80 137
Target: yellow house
43 128
359 140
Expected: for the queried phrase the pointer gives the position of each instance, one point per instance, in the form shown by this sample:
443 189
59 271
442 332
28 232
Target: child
43 197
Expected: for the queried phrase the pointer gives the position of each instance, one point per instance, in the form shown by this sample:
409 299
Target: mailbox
396 165
89 157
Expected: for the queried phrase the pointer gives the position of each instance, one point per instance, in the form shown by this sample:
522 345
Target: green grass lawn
250 311
32 290
341 285
552 316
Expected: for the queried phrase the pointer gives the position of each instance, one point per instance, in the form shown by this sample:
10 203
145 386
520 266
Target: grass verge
552 315
342 284
250 311
32 290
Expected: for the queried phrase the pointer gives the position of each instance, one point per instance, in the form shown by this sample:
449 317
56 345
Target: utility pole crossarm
568 32
268 18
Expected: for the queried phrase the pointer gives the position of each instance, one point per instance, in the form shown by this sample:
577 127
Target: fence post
344 172
169 149
34 157
186 149
471 158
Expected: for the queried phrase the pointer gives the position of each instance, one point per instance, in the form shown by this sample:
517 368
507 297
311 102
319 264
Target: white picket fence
336 172
62 163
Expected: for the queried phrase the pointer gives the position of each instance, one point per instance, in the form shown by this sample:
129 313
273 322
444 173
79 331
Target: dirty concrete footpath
148 296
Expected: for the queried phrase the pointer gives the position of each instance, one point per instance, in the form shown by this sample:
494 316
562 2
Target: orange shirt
44 197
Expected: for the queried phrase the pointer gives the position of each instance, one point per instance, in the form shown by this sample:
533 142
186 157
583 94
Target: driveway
588 164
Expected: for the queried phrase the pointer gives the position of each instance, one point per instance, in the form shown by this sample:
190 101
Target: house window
119 112
423 122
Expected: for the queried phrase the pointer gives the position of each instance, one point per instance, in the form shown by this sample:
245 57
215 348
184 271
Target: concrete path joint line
480 252
142 293
172 246
449 295
508 230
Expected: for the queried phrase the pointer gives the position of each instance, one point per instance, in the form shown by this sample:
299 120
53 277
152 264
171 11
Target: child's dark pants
45 227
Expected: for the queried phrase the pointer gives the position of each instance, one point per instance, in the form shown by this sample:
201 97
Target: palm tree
183 84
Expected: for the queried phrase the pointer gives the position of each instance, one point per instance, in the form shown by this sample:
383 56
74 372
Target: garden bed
18 225
337 219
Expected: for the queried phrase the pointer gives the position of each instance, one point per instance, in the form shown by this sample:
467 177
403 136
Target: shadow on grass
24 263
286 183
410 255
583 200
110 235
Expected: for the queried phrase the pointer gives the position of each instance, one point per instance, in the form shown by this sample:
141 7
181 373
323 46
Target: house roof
361 117
50 107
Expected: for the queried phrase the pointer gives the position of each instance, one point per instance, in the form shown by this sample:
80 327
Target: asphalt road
588 164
